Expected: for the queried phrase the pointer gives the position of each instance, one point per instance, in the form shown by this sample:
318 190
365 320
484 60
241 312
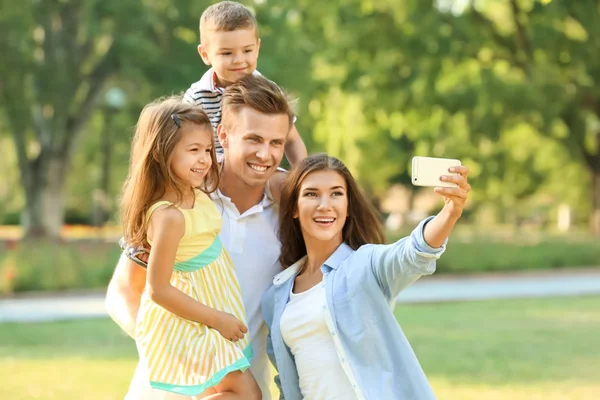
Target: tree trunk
33 216
595 217
593 162
102 200
44 212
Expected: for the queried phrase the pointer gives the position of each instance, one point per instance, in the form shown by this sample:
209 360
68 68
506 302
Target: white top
304 330
252 242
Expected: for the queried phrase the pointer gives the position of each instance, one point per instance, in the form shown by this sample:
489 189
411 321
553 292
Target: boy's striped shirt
206 94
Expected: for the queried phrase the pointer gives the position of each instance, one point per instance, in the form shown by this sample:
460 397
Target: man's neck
242 196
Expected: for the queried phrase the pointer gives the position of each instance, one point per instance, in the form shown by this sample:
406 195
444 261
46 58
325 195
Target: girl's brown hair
157 132
362 225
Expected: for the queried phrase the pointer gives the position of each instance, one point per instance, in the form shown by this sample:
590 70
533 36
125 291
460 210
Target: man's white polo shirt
252 242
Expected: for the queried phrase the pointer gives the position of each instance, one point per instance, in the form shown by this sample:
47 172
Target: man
256 121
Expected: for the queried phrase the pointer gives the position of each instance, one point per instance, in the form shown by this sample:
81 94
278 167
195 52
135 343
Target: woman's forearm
438 229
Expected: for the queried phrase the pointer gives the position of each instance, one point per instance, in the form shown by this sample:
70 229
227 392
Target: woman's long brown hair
362 225
157 132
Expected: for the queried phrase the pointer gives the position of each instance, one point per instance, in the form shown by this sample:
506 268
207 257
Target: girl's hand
455 198
229 326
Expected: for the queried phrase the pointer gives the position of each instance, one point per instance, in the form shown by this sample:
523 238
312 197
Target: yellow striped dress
184 356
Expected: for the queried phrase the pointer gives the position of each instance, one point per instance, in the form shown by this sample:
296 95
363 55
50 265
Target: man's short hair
226 16
258 93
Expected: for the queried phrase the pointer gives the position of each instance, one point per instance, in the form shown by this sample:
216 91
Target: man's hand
138 255
124 293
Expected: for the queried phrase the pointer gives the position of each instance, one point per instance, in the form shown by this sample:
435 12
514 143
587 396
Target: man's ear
223 136
203 54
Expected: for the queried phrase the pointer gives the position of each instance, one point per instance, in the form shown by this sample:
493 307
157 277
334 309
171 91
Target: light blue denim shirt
361 288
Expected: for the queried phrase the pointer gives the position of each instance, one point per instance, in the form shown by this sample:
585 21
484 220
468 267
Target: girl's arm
168 227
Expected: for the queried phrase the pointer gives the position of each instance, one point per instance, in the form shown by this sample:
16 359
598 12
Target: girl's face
322 206
191 157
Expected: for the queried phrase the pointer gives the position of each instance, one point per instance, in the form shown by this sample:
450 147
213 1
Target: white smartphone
426 171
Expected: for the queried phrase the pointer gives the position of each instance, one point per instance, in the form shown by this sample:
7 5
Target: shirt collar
338 256
333 262
265 202
289 272
208 81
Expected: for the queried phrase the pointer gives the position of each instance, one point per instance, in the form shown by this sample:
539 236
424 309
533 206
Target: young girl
191 329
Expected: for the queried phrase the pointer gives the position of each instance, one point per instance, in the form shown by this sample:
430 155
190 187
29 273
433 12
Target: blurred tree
57 57
544 56
509 86
479 80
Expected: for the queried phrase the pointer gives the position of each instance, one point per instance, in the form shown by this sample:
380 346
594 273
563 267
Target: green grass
525 349
85 359
520 350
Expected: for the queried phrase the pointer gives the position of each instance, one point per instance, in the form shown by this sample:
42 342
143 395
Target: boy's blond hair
226 16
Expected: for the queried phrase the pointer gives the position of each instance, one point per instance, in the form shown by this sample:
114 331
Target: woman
332 331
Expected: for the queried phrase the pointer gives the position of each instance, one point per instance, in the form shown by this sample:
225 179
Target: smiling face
191 158
322 207
232 54
255 144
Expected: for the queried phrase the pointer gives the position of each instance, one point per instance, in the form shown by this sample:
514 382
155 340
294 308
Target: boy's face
232 55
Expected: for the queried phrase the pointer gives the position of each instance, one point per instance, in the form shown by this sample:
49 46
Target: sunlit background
508 86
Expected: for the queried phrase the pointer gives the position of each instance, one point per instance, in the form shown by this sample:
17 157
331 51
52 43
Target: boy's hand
295 149
229 326
276 182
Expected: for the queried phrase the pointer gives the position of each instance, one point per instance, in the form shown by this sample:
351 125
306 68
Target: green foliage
51 266
88 264
477 257
510 87
478 251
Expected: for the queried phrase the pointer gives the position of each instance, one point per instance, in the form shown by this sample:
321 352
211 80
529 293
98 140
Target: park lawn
514 349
